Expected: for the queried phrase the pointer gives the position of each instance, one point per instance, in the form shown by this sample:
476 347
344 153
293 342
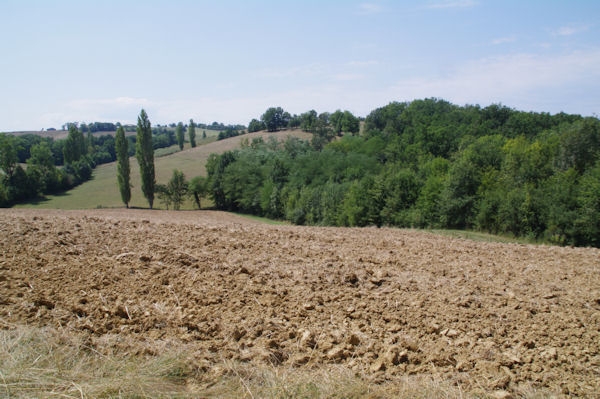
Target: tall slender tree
145 156
122 150
192 133
179 135
74 147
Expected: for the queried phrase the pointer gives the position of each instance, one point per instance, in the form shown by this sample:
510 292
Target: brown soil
383 302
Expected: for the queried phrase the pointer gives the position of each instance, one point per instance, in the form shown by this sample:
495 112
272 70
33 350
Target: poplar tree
192 133
74 147
145 156
122 150
179 135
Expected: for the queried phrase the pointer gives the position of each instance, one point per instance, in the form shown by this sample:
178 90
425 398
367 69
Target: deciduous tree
8 154
177 188
255 125
275 118
198 189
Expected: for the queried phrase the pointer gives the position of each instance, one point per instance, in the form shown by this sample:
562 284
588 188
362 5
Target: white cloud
318 72
292 72
122 109
570 30
523 81
361 64
502 40
453 4
565 82
369 8
118 102
348 76
509 79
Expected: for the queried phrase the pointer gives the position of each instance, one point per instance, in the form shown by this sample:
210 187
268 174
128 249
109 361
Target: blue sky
228 61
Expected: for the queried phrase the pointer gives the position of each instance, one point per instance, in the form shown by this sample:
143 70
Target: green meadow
102 190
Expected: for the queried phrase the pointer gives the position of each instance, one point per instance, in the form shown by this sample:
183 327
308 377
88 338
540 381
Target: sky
228 61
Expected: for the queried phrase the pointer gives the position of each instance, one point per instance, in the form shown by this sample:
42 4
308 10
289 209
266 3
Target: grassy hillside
102 190
62 134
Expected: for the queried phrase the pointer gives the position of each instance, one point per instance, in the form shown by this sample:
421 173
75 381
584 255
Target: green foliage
192 133
580 145
198 189
42 171
586 227
177 189
8 154
19 185
163 195
41 176
123 169
322 132
215 168
227 133
4 199
174 192
179 135
145 156
255 125
401 190
74 147
308 120
344 122
275 118
427 163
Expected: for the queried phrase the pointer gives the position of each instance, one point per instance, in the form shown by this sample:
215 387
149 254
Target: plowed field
382 302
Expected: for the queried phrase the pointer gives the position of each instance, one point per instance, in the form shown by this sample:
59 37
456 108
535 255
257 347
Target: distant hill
102 190
61 134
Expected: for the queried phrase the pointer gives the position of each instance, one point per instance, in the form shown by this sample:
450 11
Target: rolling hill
102 191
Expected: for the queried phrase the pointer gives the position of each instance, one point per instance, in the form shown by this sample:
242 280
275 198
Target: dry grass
48 363
44 363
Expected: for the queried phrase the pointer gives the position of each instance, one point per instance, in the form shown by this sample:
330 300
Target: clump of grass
262 219
333 382
484 237
46 363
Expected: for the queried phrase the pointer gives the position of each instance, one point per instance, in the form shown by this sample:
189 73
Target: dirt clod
385 303
378 365
502 395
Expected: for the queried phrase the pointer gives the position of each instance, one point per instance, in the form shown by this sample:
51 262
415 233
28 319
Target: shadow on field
41 200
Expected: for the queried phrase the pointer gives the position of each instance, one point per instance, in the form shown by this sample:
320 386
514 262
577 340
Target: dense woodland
426 163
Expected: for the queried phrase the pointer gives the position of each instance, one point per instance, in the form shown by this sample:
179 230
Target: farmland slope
102 189
382 302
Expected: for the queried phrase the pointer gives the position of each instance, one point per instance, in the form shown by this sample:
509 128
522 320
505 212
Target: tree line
429 164
41 176
33 166
177 189
275 118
